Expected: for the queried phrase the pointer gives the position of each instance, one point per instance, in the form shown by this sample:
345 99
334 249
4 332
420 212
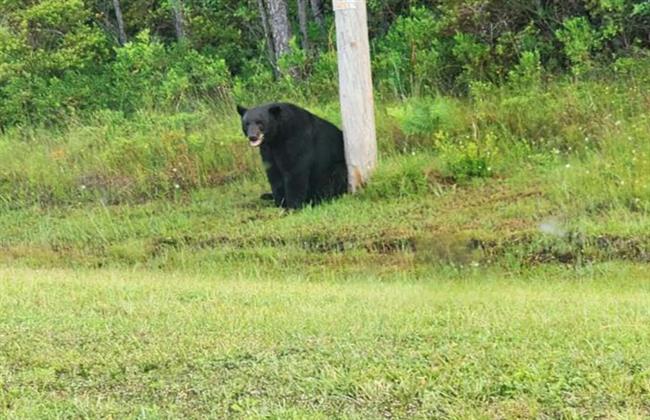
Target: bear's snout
255 141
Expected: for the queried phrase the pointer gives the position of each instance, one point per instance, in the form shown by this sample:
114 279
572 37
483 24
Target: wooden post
355 91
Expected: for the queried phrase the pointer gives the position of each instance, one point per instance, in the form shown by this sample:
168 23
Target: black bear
303 154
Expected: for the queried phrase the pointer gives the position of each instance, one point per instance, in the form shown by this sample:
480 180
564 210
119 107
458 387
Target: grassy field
410 217
549 342
559 171
495 267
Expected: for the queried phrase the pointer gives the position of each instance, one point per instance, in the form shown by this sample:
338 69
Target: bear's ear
241 110
275 110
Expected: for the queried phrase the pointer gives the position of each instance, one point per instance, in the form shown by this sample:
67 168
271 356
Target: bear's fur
303 154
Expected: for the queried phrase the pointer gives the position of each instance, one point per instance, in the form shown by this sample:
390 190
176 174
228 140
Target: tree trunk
279 22
280 30
269 37
179 23
302 19
317 11
120 22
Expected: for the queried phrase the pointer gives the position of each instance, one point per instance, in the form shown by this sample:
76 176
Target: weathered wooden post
355 90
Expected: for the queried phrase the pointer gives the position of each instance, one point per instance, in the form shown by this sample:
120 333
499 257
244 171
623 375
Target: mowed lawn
134 344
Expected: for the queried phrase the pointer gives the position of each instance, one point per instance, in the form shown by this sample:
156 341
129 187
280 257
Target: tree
302 20
268 35
120 21
317 11
275 13
179 24
279 22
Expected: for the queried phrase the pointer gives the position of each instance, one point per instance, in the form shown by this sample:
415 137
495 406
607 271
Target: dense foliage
62 57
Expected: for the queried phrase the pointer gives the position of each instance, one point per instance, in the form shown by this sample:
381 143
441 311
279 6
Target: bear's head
259 124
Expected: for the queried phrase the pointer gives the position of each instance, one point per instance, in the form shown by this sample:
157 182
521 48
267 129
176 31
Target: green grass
495 267
547 343
152 154
410 217
460 181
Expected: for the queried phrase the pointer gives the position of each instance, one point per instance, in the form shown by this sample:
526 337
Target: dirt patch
442 247
571 249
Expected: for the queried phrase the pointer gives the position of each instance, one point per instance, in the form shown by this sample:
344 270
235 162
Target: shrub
579 40
468 158
407 60
419 119
146 73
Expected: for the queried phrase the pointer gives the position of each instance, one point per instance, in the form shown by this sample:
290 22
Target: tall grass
489 169
160 155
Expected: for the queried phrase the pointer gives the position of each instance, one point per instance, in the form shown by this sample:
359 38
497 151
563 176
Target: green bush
408 58
527 74
580 40
420 119
469 157
62 57
146 73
